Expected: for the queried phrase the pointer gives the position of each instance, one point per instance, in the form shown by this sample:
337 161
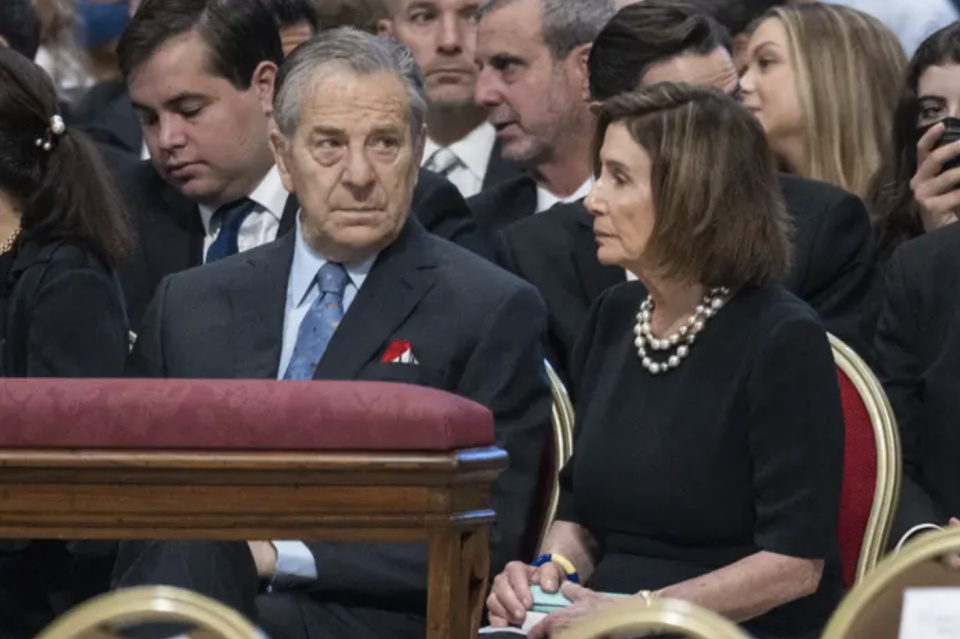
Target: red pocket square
395 351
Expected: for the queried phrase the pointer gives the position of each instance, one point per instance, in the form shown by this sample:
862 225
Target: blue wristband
565 565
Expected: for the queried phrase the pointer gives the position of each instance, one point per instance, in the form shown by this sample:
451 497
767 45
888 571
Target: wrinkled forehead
347 100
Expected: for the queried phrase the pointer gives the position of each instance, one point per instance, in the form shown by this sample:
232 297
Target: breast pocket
414 374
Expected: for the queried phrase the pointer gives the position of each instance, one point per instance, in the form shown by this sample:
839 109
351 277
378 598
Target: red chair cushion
237 415
859 477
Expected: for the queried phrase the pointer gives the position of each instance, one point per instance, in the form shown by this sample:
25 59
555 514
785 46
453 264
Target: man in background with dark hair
736 16
200 75
675 41
20 27
297 20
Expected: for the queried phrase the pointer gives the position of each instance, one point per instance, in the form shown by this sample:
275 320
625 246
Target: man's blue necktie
321 321
231 218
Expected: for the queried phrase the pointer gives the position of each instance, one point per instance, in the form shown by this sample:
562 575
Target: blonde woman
823 81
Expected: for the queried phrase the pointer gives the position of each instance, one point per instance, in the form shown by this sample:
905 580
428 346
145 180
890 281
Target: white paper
930 613
533 618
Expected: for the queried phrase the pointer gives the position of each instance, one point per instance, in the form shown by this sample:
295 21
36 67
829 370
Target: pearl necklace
9 242
713 301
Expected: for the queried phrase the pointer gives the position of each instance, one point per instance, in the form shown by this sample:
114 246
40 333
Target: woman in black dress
61 308
61 235
708 450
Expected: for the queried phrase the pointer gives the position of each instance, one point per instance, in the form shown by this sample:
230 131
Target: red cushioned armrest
237 415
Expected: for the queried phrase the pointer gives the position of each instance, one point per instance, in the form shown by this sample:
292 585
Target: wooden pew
251 460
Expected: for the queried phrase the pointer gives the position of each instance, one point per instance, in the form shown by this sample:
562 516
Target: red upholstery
859 477
237 415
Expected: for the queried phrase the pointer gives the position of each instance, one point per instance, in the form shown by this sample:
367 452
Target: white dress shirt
261 225
546 199
295 562
472 153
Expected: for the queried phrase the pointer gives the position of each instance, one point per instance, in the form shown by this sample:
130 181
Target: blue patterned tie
231 218
321 321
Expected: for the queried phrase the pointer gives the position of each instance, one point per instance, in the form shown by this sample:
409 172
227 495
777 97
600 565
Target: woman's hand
510 598
936 193
585 603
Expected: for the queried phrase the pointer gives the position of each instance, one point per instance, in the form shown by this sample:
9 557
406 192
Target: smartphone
951 133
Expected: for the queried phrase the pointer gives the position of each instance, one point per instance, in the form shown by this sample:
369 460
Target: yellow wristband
564 563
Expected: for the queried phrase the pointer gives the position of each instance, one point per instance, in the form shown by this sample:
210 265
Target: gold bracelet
565 564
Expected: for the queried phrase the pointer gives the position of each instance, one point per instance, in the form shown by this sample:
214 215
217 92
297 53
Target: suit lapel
401 276
500 169
258 297
289 218
519 202
595 277
175 234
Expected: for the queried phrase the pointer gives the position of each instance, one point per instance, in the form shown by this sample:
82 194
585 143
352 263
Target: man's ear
263 82
579 59
279 145
385 27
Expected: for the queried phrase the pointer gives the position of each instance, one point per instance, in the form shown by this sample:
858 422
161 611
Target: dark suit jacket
918 362
500 169
475 329
833 267
63 314
498 207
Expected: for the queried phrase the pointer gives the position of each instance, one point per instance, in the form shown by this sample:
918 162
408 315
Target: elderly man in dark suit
212 188
673 41
328 301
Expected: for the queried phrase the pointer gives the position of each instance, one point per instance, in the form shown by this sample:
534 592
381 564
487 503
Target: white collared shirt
473 151
546 199
261 225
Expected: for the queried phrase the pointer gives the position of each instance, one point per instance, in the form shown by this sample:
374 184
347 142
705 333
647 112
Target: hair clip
57 127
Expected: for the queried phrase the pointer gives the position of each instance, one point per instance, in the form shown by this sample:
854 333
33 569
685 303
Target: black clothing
918 363
738 450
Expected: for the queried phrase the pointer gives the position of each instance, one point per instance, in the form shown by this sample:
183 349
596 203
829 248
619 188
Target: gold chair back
662 615
562 418
872 609
887 490
100 618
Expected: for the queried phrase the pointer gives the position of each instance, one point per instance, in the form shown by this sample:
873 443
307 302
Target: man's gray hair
354 51
567 24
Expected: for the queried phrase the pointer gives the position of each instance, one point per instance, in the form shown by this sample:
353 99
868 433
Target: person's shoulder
463 265
504 191
562 219
59 256
938 247
764 311
811 195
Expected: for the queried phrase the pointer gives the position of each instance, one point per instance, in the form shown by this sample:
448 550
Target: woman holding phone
918 188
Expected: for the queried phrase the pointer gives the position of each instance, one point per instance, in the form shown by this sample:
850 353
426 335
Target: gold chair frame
886 494
662 615
150 604
930 547
562 418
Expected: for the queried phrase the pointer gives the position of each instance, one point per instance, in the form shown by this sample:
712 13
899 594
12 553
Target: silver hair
567 24
352 50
